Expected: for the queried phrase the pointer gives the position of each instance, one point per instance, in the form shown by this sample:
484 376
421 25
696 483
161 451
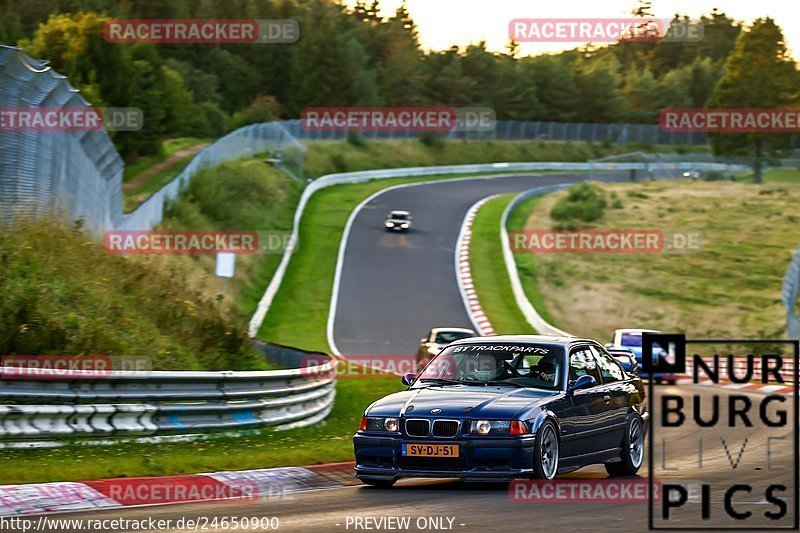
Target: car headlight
498 427
390 224
372 423
391 424
403 226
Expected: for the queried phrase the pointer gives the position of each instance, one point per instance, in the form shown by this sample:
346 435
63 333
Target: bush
584 202
339 163
431 139
355 139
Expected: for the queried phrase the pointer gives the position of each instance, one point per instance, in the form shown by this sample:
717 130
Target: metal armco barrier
134 404
539 324
791 287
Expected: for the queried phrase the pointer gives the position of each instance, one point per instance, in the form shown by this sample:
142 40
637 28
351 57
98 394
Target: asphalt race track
488 507
395 287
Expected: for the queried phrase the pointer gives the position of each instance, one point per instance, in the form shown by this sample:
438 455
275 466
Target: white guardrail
140 404
539 324
409 172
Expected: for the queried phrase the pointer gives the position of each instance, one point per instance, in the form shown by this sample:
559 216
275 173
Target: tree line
354 57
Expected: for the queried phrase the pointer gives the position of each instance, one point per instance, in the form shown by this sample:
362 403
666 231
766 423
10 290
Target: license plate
430 450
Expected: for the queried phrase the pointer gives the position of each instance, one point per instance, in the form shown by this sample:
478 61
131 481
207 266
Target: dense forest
349 57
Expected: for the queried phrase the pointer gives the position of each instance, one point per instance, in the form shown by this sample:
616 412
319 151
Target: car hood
460 401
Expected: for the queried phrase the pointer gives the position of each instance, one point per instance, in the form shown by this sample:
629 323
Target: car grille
445 428
418 427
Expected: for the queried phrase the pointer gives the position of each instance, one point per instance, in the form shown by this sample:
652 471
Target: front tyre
378 483
545 452
632 450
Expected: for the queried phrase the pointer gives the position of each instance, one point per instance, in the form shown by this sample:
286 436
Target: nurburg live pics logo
742 447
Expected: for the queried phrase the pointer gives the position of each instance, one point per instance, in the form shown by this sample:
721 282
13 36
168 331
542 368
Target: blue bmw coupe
503 407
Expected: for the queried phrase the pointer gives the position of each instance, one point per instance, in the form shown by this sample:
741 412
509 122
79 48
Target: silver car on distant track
398 221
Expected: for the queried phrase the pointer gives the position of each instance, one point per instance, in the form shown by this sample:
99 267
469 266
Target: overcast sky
445 22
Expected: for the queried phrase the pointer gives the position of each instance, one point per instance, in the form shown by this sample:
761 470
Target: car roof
396 212
459 330
636 330
527 339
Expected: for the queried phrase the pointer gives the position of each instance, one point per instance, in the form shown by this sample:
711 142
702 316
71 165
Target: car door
617 387
590 406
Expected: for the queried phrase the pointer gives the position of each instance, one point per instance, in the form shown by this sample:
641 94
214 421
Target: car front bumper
480 459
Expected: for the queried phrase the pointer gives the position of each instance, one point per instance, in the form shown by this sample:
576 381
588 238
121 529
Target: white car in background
436 340
398 221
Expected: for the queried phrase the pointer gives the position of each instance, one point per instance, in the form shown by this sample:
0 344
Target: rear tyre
632 450
545 452
378 483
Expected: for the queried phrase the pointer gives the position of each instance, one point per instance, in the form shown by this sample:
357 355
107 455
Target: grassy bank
328 441
729 288
489 270
243 195
343 156
63 294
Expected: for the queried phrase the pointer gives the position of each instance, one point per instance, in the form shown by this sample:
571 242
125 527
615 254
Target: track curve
393 287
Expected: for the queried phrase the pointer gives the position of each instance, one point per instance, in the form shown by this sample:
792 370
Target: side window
610 370
582 362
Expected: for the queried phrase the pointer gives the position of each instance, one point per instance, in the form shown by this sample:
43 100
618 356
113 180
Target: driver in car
485 368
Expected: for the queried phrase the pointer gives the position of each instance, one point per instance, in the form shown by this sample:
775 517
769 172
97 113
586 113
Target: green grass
63 294
729 288
329 441
141 192
771 175
489 271
241 195
168 147
526 263
782 175
138 195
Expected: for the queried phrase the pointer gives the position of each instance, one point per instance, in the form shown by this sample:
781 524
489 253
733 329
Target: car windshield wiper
502 382
443 380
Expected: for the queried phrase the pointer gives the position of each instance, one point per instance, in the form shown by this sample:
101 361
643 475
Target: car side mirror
583 382
408 379
610 345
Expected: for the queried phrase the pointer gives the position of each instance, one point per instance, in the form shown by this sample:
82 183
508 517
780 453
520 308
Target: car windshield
446 337
539 366
631 339
399 216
